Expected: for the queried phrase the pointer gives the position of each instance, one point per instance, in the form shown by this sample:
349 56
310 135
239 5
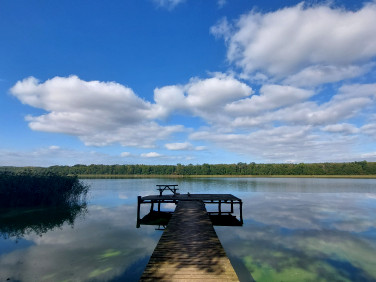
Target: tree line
350 168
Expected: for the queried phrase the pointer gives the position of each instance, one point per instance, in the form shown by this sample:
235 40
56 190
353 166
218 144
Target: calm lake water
294 230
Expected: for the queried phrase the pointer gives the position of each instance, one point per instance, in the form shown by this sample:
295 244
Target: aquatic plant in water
18 222
38 202
31 189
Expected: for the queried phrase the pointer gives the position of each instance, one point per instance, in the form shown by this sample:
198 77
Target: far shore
118 176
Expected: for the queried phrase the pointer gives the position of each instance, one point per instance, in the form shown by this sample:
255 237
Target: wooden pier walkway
189 249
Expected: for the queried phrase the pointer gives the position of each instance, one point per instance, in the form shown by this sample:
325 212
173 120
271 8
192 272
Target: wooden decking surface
191 197
189 249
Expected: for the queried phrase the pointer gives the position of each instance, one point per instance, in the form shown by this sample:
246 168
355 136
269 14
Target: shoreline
117 176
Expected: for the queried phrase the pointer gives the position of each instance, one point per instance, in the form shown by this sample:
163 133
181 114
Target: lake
295 229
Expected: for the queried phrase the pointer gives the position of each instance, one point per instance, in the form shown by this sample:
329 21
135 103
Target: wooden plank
189 249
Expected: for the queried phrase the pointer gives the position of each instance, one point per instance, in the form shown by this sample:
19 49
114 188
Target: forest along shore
119 176
362 169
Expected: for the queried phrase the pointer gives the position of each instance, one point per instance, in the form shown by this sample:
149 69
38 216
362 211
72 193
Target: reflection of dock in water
189 248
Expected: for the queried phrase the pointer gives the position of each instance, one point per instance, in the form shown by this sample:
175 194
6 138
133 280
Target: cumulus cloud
179 146
281 123
125 154
370 129
184 146
276 122
99 113
302 42
222 29
54 147
341 128
54 155
104 113
348 102
284 143
369 156
205 98
320 74
151 155
271 97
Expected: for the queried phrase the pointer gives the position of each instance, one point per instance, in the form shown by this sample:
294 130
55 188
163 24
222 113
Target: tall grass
31 189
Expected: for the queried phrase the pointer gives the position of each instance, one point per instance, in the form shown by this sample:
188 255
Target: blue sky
194 81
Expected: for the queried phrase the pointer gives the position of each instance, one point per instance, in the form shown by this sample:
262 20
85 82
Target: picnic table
163 187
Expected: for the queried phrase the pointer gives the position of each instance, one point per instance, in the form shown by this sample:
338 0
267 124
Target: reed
30 189
21 221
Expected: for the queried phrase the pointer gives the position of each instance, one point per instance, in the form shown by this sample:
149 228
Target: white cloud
370 157
54 155
168 4
99 113
341 128
59 93
125 154
179 146
319 74
275 123
369 129
205 98
213 92
222 29
350 101
358 90
183 146
284 143
330 112
54 147
168 99
271 97
151 155
306 131
140 135
305 41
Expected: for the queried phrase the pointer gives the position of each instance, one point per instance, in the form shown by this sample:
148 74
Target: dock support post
232 206
241 211
138 211
152 206
159 206
219 207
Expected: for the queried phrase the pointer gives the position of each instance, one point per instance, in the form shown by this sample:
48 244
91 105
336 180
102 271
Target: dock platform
220 200
189 249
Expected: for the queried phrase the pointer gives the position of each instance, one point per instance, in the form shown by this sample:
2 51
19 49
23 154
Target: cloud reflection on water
293 231
100 247
305 237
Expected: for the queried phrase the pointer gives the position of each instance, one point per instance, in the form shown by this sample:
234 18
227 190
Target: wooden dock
220 200
189 249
